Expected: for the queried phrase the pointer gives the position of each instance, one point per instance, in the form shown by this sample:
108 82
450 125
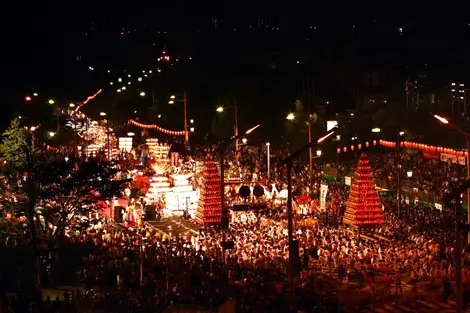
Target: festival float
210 200
363 209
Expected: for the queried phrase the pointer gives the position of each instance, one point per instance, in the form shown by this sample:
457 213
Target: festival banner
446 157
323 193
430 155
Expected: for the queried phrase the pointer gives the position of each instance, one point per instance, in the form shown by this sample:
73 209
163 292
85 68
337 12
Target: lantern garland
363 207
209 210
352 147
428 148
163 130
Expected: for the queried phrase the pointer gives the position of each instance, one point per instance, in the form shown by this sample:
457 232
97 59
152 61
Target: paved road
174 226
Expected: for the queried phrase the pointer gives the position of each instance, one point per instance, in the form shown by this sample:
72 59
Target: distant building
452 100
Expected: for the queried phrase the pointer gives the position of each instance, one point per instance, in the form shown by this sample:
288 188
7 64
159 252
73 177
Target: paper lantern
352 148
338 150
367 144
380 141
402 144
374 142
359 146
466 154
345 149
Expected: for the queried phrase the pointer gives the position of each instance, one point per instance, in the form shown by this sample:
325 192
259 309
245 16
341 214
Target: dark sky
41 38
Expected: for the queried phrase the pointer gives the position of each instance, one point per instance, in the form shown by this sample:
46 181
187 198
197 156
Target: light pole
443 120
107 135
224 219
288 161
220 109
184 100
268 159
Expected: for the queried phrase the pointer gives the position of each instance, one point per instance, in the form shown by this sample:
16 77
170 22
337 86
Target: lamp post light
184 100
221 109
103 114
409 174
71 105
443 120
51 101
319 152
288 161
224 220
290 116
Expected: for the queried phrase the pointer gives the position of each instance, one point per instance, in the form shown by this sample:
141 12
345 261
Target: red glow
163 130
87 100
28 98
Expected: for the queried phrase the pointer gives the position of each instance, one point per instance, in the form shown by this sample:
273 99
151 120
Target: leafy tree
15 146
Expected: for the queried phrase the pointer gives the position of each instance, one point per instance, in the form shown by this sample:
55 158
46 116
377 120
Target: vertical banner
323 193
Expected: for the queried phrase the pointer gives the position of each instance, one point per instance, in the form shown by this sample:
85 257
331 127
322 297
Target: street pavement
173 226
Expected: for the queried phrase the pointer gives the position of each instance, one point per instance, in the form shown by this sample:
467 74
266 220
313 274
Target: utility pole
235 130
186 135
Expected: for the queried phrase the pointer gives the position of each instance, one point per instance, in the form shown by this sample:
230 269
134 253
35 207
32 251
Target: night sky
44 41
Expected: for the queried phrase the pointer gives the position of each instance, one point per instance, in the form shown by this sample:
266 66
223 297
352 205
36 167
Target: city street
174 226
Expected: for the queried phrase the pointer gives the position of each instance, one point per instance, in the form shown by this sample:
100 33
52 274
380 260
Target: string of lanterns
163 130
353 147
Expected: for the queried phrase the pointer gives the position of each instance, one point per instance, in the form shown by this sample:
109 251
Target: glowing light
33 128
244 140
441 119
163 130
130 134
91 68
129 83
102 114
111 83
326 136
142 94
159 116
220 109
319 152
129 75
290 116
150 72
120 79
35 94
249 131
172 97
171 102
191 121
139 79
51 134
71 105
401 133
28 98
123 88
51 101
119 90
192 129
409 174
87 100
376 130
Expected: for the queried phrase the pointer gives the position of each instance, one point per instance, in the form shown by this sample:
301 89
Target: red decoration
163 130
359 146
352 148
363 207
345 149
209 210
375 142
338 150
367 144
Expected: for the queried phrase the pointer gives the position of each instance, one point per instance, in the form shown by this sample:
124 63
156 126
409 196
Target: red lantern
367 144
359 146
466 154
338 150
402 144
345 149
375 142
352 148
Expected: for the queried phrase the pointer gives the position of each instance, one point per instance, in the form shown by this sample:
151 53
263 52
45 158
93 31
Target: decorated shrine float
209 208
182 196
363 209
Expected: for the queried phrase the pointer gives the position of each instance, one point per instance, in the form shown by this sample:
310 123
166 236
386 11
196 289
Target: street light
409 174
71 105
192 129
51 101
102 114
319 152
51 134
288 161
443 120
28 98
376 130
290 116
220 109
107 135
142 94
130 134
184 100
244 140
35 94
222 147
191 121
